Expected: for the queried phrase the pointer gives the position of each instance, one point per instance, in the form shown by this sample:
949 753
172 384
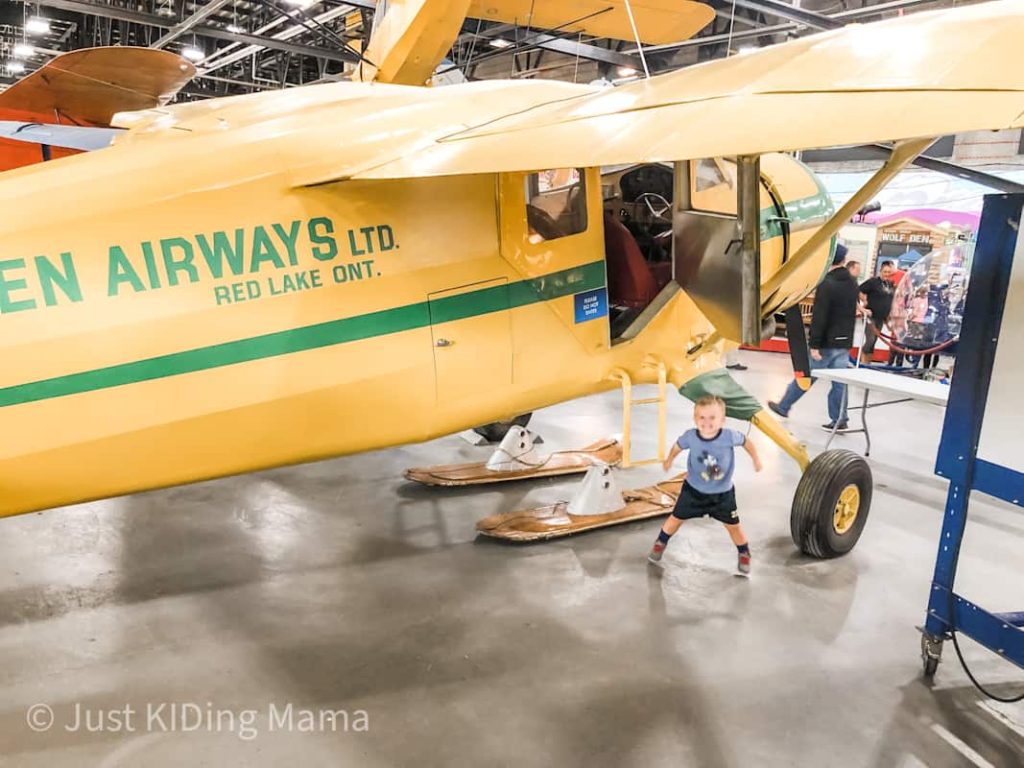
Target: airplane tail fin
88 87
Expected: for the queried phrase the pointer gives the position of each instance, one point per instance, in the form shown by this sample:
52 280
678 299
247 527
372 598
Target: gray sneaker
743 564
656 552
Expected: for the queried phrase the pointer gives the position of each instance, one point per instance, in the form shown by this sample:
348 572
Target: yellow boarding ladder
627 412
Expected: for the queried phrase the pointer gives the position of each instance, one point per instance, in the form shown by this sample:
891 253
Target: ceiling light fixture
192 53
747 49
234 29
15 67
500 42
625 71
37 25
23 50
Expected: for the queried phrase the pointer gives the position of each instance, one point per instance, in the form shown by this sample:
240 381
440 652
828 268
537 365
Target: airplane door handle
444 343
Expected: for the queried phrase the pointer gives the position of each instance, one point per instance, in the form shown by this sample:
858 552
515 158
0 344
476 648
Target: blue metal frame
957 459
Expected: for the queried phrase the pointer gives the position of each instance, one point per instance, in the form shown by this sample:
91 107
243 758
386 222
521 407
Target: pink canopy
932 216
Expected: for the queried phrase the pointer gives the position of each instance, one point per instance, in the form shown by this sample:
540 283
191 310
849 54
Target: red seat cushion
630 282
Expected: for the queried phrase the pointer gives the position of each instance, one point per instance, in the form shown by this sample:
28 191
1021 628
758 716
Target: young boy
708 488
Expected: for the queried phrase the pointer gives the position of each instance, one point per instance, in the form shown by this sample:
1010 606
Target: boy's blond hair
706 400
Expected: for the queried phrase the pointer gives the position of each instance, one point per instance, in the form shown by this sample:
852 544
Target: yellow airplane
288 276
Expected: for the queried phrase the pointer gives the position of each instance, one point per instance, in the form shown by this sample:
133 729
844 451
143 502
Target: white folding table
905 388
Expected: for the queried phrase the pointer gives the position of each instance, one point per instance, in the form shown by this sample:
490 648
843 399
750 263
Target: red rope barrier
893 344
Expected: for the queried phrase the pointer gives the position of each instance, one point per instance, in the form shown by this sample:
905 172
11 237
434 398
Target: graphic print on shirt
712 469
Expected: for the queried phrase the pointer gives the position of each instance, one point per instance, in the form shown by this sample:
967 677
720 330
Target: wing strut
903 153
952 169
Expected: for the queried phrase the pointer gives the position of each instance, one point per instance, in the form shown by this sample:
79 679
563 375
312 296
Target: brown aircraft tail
90 86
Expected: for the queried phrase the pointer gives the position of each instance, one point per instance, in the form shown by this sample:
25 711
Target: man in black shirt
830 339
877 293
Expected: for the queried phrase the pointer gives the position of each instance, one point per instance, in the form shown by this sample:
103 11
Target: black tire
931 666
812 520
495 431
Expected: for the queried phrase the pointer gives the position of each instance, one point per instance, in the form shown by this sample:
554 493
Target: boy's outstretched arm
667 463
749 447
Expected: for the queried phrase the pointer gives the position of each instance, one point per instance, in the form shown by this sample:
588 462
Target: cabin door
472 335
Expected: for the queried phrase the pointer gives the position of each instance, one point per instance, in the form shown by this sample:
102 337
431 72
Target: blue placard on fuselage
591 305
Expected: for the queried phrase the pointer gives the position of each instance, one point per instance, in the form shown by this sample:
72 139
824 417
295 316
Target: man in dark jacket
831 336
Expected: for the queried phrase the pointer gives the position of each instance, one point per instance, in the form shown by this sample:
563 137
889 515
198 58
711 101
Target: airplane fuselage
172 313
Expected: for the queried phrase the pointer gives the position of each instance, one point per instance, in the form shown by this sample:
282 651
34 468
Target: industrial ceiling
240 46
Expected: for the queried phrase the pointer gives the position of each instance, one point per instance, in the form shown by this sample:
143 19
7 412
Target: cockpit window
708 175
645 180
713 186
556 203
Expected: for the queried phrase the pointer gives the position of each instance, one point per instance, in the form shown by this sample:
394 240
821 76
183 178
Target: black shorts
720 506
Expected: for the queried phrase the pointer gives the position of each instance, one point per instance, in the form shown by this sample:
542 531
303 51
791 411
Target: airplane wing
927 74
657 21
412 36
88 87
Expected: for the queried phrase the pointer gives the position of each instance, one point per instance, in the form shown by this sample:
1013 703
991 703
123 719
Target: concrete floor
338 586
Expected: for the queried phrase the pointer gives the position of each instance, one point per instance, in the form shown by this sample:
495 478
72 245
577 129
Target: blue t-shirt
711 462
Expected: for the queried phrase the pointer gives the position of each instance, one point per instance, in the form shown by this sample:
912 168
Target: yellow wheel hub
846 510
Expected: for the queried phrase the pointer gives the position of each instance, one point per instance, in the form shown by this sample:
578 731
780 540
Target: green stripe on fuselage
382 323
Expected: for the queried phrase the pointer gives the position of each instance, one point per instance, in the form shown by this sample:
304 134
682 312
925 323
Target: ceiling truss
253 45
